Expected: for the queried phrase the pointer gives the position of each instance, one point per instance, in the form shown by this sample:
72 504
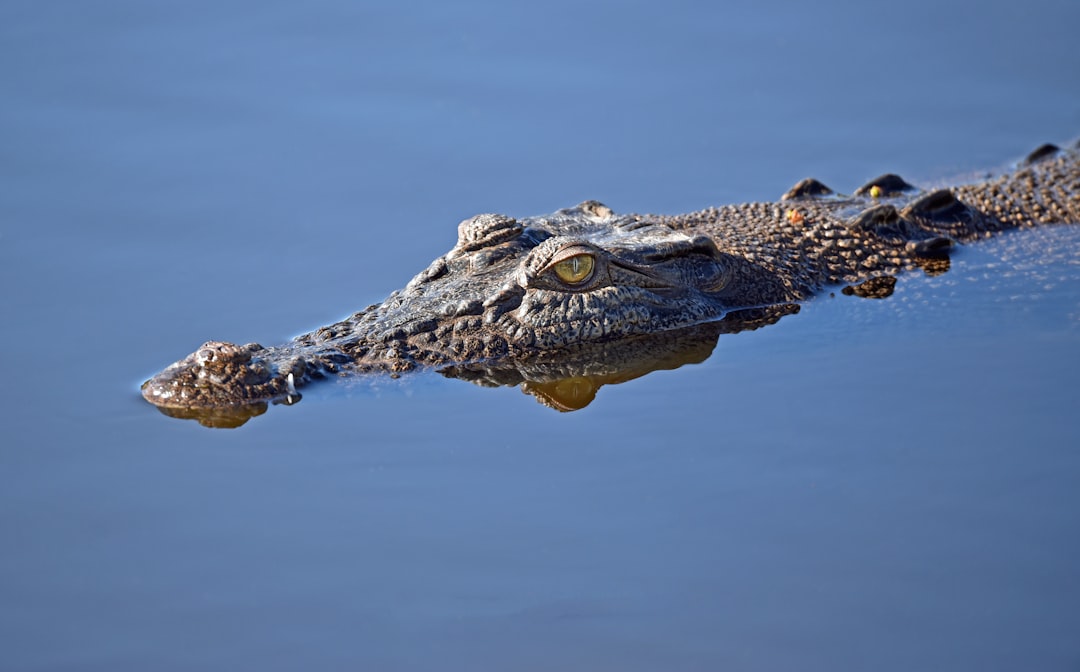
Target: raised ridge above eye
485 230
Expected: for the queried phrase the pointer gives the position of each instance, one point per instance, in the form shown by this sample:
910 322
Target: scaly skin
497 296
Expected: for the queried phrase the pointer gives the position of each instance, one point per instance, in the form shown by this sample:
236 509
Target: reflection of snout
229 417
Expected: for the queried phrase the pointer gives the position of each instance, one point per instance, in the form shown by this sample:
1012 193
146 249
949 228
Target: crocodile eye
576 269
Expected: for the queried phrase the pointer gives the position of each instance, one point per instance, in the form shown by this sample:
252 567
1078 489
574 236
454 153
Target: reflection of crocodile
565 379
520 290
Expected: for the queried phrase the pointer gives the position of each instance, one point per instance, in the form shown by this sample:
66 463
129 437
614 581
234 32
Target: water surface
867 484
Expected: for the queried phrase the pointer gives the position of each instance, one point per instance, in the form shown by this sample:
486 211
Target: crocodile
588 280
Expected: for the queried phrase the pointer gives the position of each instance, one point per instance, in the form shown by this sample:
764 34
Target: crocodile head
508 288
517 288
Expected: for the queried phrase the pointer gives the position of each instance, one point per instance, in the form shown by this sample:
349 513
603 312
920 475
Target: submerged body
529 289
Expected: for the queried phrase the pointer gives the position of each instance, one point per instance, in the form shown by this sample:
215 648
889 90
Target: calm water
888 485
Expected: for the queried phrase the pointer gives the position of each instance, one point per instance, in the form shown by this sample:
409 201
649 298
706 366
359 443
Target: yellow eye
576 269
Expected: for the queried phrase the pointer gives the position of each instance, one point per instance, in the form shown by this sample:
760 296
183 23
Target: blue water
887 485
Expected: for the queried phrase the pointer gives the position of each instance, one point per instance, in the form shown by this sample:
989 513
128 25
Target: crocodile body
529 289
